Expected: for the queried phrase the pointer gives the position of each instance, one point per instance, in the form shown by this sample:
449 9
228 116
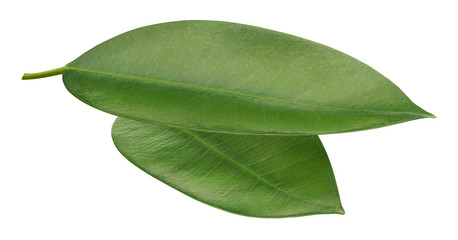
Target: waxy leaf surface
234 78
252 175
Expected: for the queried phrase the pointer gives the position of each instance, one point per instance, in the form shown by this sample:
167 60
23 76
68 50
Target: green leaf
252 175
234 78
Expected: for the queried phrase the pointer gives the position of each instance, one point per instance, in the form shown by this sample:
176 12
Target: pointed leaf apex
340 211
429 115
426 114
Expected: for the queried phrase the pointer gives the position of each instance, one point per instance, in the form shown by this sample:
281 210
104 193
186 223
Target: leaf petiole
49 73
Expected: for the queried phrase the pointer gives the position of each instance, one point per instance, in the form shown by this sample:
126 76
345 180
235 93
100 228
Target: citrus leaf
252 175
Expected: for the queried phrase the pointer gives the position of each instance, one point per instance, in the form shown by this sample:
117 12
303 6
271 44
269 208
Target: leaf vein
244 168
247 95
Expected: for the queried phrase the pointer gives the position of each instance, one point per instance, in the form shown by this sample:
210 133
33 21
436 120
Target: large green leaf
234 78
253 175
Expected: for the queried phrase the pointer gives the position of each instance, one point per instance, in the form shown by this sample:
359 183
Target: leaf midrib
222 154
222 91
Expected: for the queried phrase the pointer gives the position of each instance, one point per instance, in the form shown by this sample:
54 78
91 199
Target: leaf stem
49 73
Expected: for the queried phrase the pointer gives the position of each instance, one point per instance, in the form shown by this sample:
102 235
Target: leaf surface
252 175
234 78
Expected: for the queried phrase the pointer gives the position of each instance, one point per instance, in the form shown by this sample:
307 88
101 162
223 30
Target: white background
62 178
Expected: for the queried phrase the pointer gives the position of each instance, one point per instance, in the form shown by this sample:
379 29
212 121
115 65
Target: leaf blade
261 176
225 77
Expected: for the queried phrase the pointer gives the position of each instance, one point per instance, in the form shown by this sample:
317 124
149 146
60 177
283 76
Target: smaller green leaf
252 175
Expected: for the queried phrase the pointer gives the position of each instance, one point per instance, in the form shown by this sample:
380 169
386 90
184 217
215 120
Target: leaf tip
422 113
430 115
340 210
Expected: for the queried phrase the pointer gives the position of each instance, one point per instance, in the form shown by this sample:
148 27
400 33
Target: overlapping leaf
261 176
